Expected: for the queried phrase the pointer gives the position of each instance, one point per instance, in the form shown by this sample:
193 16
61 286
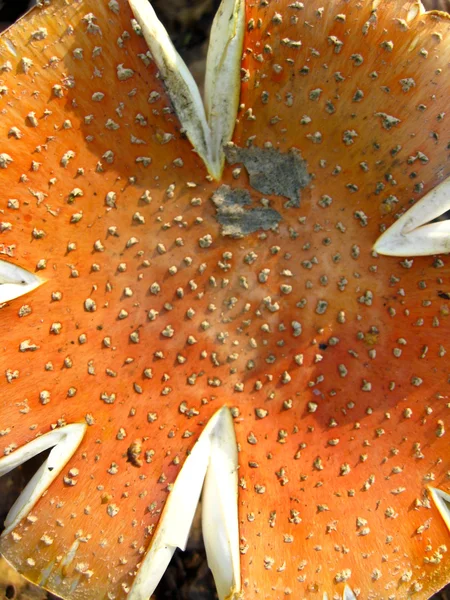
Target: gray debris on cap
238 221
271 171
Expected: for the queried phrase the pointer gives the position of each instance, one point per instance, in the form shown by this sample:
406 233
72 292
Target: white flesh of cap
442 501
222 79
64 441
416 9
220 509
15 281
209 133
214 456
413 234
348 593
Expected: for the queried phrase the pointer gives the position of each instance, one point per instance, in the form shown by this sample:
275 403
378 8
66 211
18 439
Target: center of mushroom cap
275 334
270 172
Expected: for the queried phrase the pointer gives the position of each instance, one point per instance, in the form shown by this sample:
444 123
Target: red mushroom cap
167 296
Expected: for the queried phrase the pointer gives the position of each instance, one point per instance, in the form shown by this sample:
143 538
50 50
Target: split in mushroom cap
168 296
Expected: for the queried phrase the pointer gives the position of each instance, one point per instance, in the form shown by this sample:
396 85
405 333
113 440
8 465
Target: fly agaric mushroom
191 297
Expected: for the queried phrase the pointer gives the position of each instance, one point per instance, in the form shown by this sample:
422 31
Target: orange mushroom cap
167 295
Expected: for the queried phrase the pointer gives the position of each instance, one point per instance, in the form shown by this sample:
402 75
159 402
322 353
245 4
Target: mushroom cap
167 295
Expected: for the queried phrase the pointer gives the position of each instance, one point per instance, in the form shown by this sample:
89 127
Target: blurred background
188 576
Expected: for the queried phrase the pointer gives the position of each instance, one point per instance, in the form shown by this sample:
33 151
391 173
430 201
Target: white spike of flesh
220 509
413 234
348 594
415 10
222 79
208 132
442 501
214 456
64 442
15 281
